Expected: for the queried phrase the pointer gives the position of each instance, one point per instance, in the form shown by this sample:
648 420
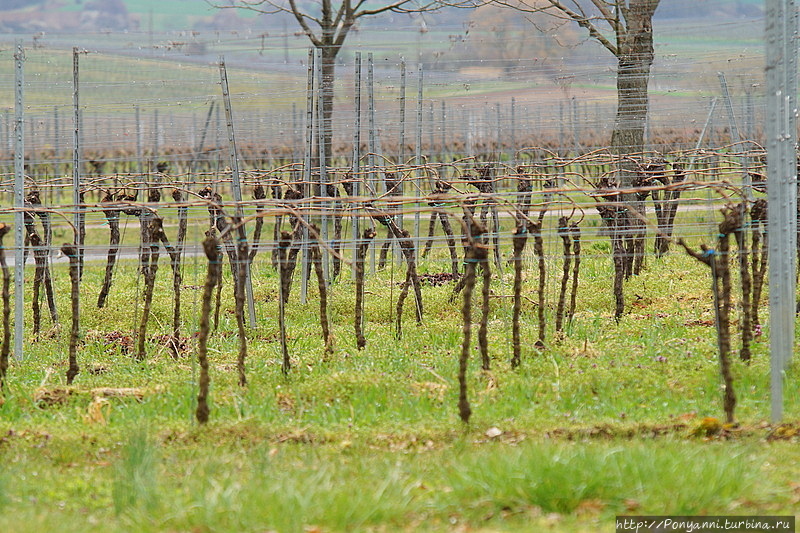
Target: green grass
250 483
597 424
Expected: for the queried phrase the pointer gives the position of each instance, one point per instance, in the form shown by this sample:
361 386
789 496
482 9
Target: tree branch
301 19
563 11
585 22
397 7
613 21
342 13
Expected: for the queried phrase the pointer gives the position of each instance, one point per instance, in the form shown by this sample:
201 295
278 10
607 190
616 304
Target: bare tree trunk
316 258
211 249
149 270
43 252
242 255
177 280
483 329
276 230
576 268
329 53
431 231
718 261
758 217
283 296
538 252
363 245
176 257
6 348
451 242
259 193
473 255
72 252
564 233
634 58
519 239
112 216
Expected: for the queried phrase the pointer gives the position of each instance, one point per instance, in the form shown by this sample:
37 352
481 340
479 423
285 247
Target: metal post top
19 52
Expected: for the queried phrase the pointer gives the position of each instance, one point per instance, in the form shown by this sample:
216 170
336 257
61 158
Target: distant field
115 82
175 14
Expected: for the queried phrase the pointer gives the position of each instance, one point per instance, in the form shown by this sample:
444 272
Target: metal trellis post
19 199
418 158
237 190
736 138
322 131
781 71
309 147
373 180
402 152
76 142
356 154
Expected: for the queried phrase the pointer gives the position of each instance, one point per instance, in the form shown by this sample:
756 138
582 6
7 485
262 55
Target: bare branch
343 13
301 19
557 9
397 7
585 22
254 6
613 20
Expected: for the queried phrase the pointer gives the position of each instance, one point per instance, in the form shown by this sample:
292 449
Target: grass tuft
135 485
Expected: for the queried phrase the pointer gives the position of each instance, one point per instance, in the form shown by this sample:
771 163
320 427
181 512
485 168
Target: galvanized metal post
5 140
309 148
485 126
781 129
139 154
237 190
402 153
77 159
218 136
468 123
561 128
431 129
322 131
373 179
193 133
295 133
418 158
498 139
56 144
443 133
30 146
356 177
7 127
513 127
371 124
154 155
736 138
19 199
703 134
576 126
